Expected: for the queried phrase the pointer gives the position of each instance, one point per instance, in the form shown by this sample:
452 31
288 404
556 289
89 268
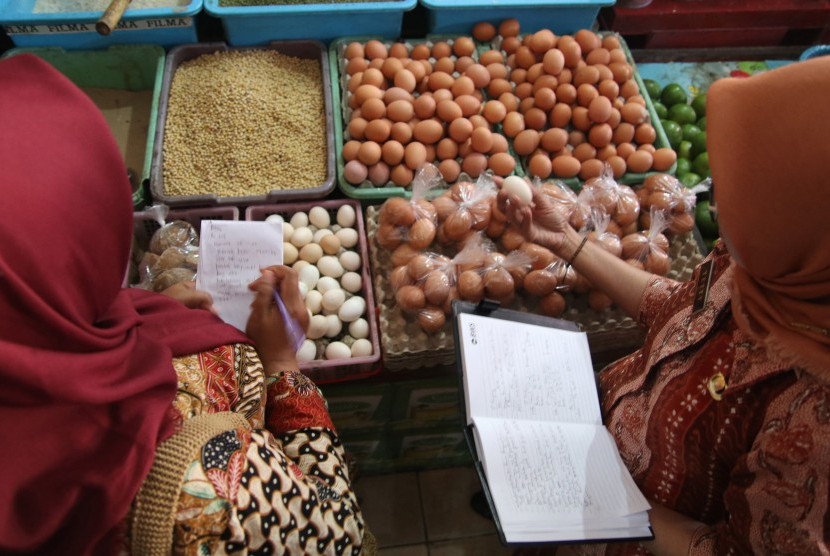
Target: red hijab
86 379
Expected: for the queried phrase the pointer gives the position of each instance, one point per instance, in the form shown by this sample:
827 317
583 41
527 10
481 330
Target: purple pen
296 335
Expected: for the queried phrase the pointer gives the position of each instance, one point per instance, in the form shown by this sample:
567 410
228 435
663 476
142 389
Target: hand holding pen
278 318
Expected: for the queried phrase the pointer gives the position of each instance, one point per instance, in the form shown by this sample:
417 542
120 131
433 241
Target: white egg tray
406 346
336 370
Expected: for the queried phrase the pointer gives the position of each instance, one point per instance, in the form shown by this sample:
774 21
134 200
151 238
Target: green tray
367 191
127 67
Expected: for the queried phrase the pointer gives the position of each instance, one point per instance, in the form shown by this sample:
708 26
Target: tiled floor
427 514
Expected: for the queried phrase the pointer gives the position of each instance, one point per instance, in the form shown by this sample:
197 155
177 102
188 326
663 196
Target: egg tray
324 371
662 140
406 346
342 112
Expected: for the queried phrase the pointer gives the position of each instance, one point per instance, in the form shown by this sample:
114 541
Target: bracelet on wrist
578 250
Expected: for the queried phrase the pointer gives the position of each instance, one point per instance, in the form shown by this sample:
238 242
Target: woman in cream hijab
723 416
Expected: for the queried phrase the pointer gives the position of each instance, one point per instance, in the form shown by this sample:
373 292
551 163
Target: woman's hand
187 293
543 221
266 326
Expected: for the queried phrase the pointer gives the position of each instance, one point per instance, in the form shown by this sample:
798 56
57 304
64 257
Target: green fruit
701 165
661 110
684 150
673 94
690 131
703 218
698 143
673 132
653 88
699 105
684 166
682 114
689 179
701 123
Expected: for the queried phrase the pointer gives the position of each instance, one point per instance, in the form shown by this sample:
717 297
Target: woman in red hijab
723 416
131 422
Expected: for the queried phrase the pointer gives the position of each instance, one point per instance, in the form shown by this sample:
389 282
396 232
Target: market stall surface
427 513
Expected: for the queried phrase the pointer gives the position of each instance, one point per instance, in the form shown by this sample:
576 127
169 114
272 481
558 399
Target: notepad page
526 371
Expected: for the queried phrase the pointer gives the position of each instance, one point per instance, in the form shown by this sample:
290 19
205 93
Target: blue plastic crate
560 16
253 25
76 30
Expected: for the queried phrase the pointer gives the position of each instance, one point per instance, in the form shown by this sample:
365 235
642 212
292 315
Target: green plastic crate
126 67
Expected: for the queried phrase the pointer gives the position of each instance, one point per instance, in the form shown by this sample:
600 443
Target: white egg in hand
518 189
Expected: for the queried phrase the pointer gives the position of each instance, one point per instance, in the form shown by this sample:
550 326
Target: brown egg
664 158
647 147
526 142
621 71
634 113
499 87
600 135
424 106
442 94
393 94
481 139
469 104
576 137
565 166
415 155
369 153
400 111
365 92
355 172
421 233
392 152
617 164
584 151
553 61
444 65
350 149
554 139
598 56
500 144
372 109
535 118
540 282
586 74
524 90
374 77
585 94
450 169
645 133
428 132
658 262
524 57
560 115
446 148
463 85
460 130
410 298
474 164
571 51
510 45
539 165
544 99
509 28
401 132
479 75
390 67
566 93
498 284
441 49
439 80
420 52
580 119
502 164
493 111
600 109
378 130
353 50
398 50
375 49
606 152
491 57
484 31
639 161
379 174
629 89
405 79
513 124
470 286
534 72
588 40
591 168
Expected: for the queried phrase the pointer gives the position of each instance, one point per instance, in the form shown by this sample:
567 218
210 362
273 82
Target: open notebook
550 469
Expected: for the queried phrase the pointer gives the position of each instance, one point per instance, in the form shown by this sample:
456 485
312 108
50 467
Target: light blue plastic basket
253 25
815 52
76 30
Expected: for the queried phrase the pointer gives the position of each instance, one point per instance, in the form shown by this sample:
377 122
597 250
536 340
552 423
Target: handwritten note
231 256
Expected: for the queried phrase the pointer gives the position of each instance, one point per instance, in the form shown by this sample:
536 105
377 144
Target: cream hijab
769 148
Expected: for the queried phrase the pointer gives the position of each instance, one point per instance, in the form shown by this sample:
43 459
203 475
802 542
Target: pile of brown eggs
565 105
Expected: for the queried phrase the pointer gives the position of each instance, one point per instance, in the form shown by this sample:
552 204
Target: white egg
301 236
348 237
309 275
346 216
338 350
311 252
519 188
352 309
350 260
289 253
333 299
329 265
361 348
313 301
317 327
287 231
326 283
307 351
320 234
333 326
274 219
359 328
303 289
319 217
299 219
352 282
